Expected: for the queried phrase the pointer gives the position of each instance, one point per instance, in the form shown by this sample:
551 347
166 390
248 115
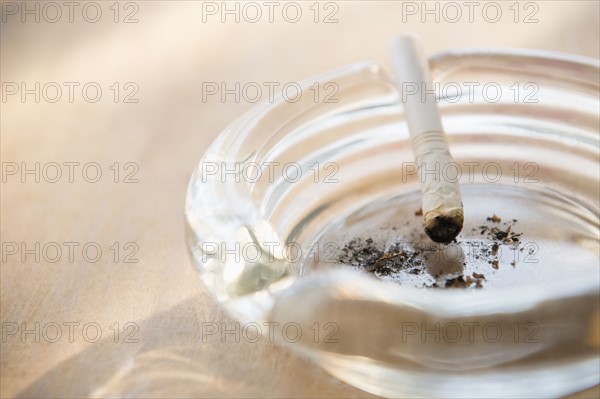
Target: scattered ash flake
494 218
362 253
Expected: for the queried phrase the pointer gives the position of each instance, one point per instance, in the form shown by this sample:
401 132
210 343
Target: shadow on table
172 359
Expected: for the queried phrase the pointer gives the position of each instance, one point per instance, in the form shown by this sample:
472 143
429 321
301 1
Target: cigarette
442 202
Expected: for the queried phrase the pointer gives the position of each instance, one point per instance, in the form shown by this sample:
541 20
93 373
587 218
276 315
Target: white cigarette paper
442 201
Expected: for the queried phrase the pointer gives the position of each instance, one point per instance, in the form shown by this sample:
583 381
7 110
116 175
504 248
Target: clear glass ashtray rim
446 56
473 302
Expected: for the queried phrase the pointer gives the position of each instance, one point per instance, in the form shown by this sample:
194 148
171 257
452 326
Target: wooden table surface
151 128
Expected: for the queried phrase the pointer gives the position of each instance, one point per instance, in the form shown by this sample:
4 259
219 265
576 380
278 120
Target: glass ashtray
280 201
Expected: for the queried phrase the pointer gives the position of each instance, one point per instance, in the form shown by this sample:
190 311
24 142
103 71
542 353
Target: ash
429 265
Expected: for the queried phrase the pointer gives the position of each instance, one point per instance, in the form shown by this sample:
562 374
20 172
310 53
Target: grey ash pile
366 255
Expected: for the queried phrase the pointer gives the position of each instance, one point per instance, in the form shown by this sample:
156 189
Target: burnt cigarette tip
443 229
